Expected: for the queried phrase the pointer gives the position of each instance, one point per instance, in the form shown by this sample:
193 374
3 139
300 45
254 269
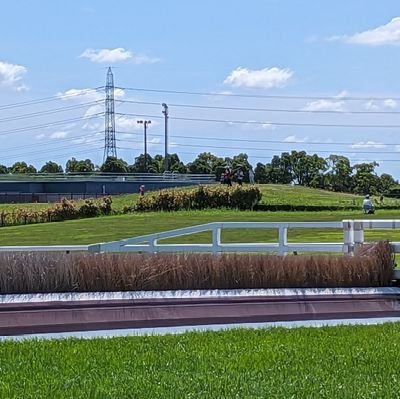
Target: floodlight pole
165 112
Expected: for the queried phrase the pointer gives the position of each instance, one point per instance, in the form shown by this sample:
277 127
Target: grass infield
331 362
102 229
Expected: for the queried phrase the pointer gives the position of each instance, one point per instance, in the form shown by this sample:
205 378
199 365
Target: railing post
348 237
283 240
358 229
216 239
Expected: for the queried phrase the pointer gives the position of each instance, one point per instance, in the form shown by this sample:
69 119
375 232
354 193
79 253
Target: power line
212 107
258 140
50 111
271 149
53 149
50 124
52 142
84 151
51 98
283 97
266 123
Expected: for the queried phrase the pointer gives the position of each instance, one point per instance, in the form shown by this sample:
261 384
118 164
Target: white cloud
59 135
389 103
40 136
371 106
11 75
397 148
324 105
382 35
368 144
155 141
266 78
294 139
111 56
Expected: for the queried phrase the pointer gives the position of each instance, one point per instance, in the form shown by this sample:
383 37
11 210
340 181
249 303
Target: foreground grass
331 362
102 229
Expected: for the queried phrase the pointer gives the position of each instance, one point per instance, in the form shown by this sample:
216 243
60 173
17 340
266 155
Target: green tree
114 165
338 176
279 171
51 167
175 164
205 162
83 166
139 164
365 179
386 181
3 170
260 173
22 167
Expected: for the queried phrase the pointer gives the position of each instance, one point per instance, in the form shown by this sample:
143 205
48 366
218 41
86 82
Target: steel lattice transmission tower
110 148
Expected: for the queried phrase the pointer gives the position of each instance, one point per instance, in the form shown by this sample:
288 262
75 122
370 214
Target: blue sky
340 56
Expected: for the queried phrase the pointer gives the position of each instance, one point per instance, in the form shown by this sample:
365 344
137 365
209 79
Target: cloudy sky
261 77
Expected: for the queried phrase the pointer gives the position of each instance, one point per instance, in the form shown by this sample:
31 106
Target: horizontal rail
44 248
353 237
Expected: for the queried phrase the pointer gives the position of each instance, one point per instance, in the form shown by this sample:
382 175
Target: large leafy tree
279 169
175 164
205 162
22 167
82 166
114 165
338 176
365 179
386 181
3 169
51 167
260 173
139 164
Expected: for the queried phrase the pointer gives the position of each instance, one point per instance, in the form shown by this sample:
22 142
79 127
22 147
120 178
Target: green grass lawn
331 362
272 194
101 229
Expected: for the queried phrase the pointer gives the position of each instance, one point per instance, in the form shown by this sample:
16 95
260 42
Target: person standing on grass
239 176
228 177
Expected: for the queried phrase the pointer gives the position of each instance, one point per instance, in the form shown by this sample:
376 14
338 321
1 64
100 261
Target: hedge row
201 197
314 208
65 210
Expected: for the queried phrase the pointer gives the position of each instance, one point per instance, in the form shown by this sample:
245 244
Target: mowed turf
271 194
102 229
330 362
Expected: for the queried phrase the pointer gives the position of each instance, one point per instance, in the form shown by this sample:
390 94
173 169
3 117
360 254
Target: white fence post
358 232
348 236
283 240
216 239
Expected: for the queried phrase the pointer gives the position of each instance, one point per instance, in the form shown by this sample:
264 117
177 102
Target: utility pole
110 147
165 112
145 123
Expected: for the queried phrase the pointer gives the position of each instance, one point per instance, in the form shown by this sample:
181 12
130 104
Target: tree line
296 167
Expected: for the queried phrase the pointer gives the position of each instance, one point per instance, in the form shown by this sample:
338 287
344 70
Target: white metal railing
353 236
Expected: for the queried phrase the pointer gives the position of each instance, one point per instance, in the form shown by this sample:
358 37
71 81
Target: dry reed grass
55 272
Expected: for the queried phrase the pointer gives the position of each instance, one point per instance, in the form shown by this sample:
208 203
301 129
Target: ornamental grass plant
34 272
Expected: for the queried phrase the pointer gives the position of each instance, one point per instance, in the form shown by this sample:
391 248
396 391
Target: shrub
202 197
89 209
